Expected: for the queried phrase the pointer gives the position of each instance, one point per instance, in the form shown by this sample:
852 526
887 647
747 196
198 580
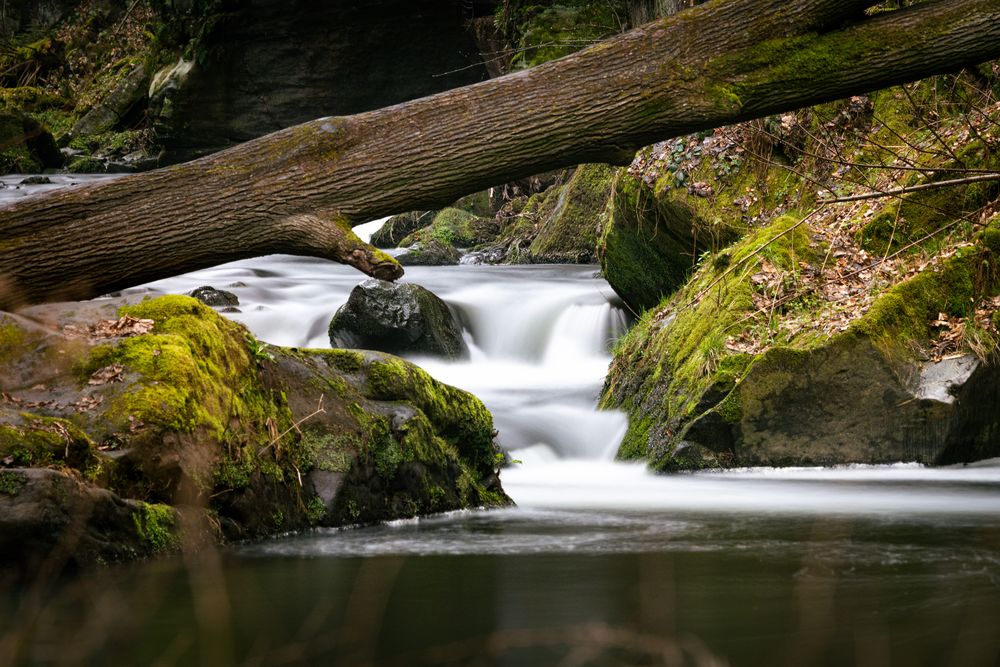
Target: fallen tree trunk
299 190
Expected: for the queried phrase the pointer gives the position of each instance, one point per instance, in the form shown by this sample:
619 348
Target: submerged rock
398 318
216 298
113 420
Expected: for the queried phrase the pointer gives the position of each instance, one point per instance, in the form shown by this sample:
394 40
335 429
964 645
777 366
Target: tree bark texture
300 189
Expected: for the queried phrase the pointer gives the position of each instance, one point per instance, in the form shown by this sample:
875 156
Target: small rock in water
36 180
398 318
215 297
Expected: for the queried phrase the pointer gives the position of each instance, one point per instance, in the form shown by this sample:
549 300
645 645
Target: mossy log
298 190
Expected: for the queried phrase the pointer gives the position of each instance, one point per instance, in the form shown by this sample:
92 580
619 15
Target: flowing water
601 563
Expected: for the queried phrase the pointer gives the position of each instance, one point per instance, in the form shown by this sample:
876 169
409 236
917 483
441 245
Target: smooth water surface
601 563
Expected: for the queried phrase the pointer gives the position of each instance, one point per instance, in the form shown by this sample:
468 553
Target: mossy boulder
650 241
127 90
540 32
25 145
568 230
52 520
164 406
397 317
429 253
862 392
400 226
455 227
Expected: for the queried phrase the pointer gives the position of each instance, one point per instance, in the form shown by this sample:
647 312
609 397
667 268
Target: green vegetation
157 527
11 482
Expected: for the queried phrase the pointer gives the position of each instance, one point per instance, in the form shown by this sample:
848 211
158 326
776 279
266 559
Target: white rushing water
539 337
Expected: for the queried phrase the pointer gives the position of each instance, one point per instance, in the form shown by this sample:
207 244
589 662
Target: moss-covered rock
651 241
25 145
165 404
568 234
455 227
398 227
429 253
862 392
543 31
55 521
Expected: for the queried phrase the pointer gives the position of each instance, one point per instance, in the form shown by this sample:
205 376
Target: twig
913 188
128 12
295 425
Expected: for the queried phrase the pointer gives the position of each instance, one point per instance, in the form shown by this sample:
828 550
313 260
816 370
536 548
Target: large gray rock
109 112
399 318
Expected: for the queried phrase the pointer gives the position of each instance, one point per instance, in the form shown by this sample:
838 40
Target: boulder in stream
216 298
398 318
398 227
132 430
703 390
429 253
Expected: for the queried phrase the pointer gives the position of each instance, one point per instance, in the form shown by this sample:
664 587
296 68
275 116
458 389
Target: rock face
649 243
273 64
398 318
568 231
133 432
861 393
127 94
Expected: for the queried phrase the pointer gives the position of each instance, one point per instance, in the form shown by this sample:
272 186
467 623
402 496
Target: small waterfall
540 338
541 349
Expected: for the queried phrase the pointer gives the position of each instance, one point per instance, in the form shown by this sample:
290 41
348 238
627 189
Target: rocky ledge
132 430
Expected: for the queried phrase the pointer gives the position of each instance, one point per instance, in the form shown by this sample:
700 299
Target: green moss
28 98
11 339
911 221
11 482
541 33
641 260
332 452
42 441
452 226
569 230
348 361
459 417
157 527
900 320
315 510
86 165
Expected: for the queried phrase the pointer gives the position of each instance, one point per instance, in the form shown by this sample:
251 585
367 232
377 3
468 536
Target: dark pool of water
546 587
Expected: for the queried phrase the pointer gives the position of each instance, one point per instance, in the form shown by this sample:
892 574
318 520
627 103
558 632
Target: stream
600 563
